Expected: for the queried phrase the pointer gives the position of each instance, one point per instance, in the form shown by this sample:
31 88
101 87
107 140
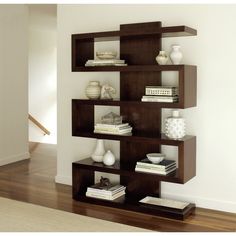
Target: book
112 132
106 193
105 197
111 126
155 167
161 90
159 99
106 61
112 188
159 172
164 97
123 129
162 165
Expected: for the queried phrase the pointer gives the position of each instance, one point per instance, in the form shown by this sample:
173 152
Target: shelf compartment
125 170
132 204
171 31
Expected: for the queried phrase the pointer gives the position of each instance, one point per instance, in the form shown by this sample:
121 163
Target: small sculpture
112 119
106 91
104 182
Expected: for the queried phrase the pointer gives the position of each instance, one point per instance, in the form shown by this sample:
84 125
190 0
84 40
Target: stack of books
121 129
110 192
106 62
160 94
165 167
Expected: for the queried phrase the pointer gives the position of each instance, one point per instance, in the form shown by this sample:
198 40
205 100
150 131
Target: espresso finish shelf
139 45
125 169
133 68
173 31
161 139
132 204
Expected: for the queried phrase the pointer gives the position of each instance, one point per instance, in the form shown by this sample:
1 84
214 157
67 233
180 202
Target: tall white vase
176 55
175 126
99 151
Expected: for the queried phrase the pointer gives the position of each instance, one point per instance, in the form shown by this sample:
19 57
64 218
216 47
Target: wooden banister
31 118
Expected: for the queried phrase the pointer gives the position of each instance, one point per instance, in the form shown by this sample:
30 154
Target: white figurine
106 91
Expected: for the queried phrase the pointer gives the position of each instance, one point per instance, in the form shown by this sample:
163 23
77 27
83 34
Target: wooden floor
33 181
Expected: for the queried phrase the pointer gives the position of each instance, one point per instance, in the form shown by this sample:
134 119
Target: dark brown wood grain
139 46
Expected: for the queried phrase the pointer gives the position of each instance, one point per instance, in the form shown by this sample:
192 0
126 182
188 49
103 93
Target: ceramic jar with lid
175 126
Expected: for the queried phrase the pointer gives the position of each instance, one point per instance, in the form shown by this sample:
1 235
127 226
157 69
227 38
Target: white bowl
155 157
106 55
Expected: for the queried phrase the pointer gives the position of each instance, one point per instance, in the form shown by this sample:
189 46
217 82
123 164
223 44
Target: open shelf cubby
139 44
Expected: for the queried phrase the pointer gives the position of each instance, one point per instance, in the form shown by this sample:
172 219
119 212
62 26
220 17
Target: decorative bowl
106 55
155 157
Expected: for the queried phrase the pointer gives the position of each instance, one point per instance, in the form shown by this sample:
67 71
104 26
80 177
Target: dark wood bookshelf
139 46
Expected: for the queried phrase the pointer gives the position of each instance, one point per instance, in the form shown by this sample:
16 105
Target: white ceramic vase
99 151
175 126
162 58
93 90
109 158
176 55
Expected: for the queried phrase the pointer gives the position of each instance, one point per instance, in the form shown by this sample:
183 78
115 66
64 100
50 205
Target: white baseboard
60 179
14 158
208 203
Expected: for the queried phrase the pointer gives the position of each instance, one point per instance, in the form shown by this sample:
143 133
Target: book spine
112 126
154 167
160 91
113 130
100 196
154 171
109 132
158 100
104 192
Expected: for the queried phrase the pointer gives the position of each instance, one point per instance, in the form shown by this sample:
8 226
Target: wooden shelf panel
100 102
130 203
132 68
160 139
125 169
172 31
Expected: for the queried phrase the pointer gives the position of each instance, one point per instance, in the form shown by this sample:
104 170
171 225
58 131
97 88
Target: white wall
13 83
42 71
212 121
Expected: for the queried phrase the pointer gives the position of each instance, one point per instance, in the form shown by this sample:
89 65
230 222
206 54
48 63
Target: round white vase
99 151
109 158
176 55
175 126
162 58
93 90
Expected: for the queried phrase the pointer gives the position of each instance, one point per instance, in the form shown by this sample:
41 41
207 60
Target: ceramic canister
93 90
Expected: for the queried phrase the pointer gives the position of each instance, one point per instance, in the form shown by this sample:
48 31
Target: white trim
14 158
208 203
60 179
